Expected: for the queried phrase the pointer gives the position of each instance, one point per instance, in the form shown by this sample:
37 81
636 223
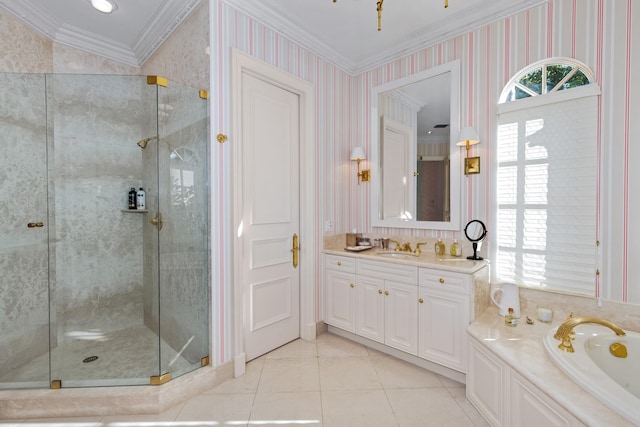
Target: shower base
97 401
132 353
124 357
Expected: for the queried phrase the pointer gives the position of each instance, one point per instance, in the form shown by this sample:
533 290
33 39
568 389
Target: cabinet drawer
388 271
444 280
340 263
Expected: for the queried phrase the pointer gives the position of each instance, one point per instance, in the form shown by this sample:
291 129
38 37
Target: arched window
559 74
546 178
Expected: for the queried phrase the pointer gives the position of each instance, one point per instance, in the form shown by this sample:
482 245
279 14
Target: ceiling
346 32
129 35
343 33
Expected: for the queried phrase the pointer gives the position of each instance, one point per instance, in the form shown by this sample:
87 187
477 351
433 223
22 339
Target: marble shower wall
24 301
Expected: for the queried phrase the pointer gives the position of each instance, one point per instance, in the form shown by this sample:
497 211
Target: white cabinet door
340 299
531 408
401 316
488 385
370 308
443 318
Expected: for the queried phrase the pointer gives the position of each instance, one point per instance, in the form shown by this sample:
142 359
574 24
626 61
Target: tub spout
565 330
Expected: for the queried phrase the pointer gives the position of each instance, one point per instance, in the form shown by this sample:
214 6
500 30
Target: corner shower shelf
135 210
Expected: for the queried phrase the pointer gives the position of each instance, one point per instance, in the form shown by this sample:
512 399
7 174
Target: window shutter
546 195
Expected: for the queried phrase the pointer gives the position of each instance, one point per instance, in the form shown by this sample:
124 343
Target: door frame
243 63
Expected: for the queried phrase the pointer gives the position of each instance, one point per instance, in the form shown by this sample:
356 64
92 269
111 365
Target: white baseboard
415 360
239 365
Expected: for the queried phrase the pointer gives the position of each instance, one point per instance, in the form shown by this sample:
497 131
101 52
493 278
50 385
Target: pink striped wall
597 32
337 131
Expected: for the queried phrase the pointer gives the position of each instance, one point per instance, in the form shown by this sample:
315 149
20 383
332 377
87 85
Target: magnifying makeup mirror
475 231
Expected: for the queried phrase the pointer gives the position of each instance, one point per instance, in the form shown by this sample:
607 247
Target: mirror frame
455 170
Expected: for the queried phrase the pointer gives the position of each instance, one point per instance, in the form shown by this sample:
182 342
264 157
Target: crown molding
96 44
275 18
165 20
34 17
468 19
463 22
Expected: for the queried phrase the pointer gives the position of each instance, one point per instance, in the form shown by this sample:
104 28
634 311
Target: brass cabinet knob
441 280
35 224
386 293
420 300
380 291
352 285
339 263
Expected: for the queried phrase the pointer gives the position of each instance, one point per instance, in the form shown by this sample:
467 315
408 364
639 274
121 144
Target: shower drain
90 359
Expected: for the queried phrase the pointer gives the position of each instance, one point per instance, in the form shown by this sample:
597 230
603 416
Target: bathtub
614 381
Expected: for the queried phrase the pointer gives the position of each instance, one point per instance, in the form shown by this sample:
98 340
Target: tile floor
330 382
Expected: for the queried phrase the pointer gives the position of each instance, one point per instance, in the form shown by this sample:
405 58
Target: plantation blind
546 194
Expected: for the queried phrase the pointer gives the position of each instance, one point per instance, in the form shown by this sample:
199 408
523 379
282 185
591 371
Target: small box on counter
352 239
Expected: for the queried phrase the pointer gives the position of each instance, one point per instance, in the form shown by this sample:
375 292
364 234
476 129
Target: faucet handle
397 248
417 250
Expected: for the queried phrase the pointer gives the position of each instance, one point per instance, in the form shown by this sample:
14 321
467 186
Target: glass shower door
101 281
183 239
24 298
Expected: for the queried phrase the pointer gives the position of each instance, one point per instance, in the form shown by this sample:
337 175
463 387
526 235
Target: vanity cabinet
386 309
340 281
506 398
443 316
422 312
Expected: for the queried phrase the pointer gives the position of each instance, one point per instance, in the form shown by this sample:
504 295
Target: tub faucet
565 330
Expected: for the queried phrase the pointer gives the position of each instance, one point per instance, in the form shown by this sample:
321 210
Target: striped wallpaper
597 32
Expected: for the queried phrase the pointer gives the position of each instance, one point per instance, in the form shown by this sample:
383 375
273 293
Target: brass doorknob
157 221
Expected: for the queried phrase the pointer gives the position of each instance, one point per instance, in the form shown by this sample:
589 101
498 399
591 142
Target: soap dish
357 248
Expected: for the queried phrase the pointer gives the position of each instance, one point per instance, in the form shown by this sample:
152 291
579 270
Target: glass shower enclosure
93 293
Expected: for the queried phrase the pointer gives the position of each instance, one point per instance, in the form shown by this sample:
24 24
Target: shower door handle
157 221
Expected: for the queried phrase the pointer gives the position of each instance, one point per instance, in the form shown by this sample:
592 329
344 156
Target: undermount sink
394 254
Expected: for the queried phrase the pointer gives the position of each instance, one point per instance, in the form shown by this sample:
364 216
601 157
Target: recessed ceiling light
104 6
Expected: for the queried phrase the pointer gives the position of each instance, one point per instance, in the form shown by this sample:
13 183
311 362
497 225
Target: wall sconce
468 137
358 154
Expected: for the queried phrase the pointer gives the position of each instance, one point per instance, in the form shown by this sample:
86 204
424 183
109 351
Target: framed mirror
415 163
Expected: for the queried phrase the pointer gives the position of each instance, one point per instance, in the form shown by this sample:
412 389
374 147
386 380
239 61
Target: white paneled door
270 214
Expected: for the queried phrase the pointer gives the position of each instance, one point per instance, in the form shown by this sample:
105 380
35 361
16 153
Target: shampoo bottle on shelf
132 198
140 199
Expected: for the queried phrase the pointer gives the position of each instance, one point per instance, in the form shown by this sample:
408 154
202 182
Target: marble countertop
522 349
425 259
